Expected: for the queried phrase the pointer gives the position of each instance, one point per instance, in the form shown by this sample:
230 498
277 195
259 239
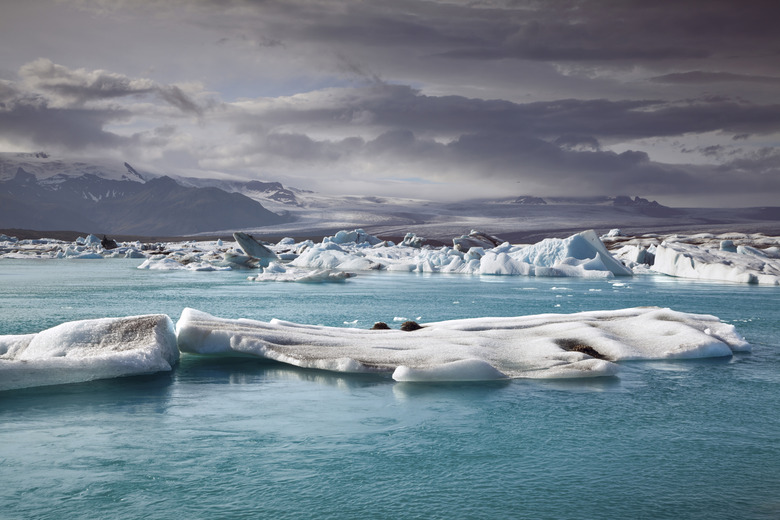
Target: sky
676 101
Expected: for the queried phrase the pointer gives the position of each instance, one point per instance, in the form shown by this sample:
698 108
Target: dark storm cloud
629 31
71 128
401 107
556 143
50 108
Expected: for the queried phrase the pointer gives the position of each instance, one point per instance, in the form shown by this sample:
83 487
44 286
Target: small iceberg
255 249
86 350
742 264
586 344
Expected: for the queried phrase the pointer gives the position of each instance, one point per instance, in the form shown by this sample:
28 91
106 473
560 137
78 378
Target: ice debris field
732 257
586 344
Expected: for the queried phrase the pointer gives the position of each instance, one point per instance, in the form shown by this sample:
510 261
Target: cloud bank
433 99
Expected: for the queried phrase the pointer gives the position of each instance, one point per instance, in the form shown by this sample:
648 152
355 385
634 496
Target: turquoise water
250 439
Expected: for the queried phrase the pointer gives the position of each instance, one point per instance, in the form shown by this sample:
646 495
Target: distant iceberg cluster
580 255
547 346
90 247
733 257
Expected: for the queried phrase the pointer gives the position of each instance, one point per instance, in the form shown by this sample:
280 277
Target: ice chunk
92 241
544 346
412 240
87 350
475 239
462 370
358 236
691 261
280 274
255 249
585 246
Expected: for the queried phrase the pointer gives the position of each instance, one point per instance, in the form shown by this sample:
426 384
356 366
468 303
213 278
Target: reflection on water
247 370
148 392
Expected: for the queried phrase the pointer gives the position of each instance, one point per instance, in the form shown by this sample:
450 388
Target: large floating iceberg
586 344
89 349
580 255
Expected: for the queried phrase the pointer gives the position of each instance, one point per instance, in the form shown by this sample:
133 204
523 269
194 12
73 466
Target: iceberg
277 273
255 249
357 236
475 239
581 255
742 264
586 344
89 349
577 255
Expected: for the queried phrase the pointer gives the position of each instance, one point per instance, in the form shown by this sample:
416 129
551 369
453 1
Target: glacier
547 346
86 350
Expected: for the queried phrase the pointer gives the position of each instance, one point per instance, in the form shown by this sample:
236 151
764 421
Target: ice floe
587 344
87 350
744 265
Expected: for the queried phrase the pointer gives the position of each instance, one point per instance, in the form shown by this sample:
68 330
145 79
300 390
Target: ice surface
255 249
358 236
581 255
278 273
87 350
736 257
744 265
585 344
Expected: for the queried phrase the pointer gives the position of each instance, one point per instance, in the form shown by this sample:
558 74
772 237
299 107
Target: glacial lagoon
247 438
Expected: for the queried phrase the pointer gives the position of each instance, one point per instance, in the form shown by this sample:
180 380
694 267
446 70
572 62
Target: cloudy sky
677 101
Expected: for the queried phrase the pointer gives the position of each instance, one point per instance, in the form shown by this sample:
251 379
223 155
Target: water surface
238 438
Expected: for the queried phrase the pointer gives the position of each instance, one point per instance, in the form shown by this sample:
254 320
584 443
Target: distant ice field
246 438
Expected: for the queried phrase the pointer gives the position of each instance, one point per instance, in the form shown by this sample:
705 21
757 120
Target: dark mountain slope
159 206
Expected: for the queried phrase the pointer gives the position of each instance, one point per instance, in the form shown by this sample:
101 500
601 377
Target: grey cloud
81 86
176 97
571 142
401 107
71 128
703 77
555 30
555 143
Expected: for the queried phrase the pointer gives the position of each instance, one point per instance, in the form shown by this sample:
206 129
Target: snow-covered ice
88 349
586 344
736 257
255 249
581 255
744 265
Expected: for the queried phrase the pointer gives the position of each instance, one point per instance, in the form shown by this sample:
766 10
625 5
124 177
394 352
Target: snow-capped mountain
116 199
45 193
49 168
272 192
